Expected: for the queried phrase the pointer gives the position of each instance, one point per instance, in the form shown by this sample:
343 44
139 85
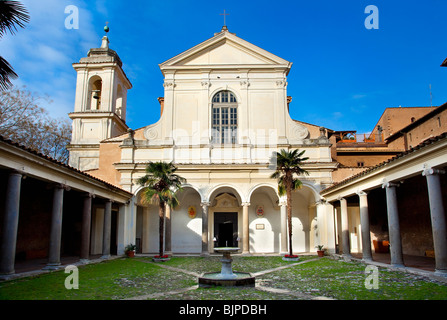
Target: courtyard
311 278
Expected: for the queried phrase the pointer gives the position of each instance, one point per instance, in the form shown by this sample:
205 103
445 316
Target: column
107 230
145 234
438 222
54 253
345 228
10 223
320 210
168 248
330 230
393 225
283 208
245 228
364 222
205 237
86 226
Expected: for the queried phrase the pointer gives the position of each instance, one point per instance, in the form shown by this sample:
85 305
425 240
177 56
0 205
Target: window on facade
224 118
360 164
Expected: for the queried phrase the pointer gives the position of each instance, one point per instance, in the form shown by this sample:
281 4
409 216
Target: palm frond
161 184
13 14
6 74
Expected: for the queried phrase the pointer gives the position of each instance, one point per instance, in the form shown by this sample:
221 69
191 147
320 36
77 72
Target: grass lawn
127 278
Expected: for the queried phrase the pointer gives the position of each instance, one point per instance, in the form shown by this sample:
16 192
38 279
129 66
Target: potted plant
130 250
291 257
320 250
162 258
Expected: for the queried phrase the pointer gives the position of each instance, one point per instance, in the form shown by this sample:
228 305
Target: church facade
223 115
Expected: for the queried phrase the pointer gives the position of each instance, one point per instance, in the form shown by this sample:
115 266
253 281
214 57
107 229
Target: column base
6 273
52 266
84 261
441 272
347 257
105 257
398 266
205 254
5 277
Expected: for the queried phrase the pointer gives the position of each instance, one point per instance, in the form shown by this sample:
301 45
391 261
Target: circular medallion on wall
260 211
192 212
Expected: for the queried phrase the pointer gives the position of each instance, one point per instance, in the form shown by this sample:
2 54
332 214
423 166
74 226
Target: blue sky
343 75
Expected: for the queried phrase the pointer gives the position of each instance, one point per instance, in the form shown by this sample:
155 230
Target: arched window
95 89
224 118
119 102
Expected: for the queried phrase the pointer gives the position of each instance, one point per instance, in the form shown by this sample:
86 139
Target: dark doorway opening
225 229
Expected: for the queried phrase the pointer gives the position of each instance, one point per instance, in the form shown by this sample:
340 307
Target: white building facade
225 113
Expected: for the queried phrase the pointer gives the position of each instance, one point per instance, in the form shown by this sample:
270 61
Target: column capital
16 172
245 204
205 204
361 193
389 184
321 202
432 171
341 199
89 195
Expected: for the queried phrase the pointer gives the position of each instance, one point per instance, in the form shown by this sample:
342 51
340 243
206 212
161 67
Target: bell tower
100 104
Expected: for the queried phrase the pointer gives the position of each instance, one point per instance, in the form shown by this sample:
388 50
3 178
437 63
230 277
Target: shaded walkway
418 262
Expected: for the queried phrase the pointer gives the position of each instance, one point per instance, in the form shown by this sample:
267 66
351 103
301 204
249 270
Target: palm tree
161 184
12 14
288 164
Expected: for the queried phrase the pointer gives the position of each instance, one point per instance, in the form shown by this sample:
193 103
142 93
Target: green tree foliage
161 185
288 164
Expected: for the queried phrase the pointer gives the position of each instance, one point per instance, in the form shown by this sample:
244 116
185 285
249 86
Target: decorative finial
105 39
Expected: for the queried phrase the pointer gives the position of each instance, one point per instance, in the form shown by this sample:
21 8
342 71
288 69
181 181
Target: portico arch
304 219
225 212
264 219
146 232
186 221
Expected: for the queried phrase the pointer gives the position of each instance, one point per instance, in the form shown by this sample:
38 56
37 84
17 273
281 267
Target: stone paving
258 286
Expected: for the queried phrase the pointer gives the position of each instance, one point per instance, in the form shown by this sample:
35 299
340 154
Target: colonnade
437 214
11 222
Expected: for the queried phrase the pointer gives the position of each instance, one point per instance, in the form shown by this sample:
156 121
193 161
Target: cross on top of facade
224 15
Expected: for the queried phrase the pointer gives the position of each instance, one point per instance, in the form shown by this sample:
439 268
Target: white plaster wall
97 229
153 226
301 223
186 233
354 229
268 239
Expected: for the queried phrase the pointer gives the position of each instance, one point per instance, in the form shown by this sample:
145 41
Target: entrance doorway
225 229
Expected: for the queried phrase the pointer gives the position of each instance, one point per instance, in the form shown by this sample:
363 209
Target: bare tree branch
23 121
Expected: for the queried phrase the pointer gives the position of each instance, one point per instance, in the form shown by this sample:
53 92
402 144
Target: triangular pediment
225 49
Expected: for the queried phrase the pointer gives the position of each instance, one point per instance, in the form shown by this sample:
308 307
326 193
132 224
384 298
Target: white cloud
43 51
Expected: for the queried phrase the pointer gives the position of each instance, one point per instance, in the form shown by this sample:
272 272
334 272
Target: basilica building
224 113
